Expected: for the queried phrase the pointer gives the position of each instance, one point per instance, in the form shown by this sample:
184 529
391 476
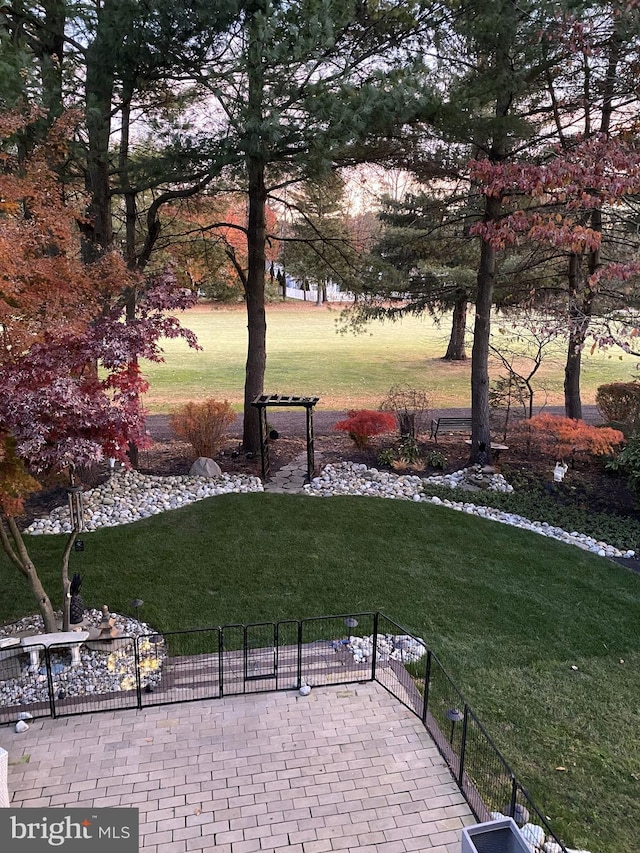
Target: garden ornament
559 471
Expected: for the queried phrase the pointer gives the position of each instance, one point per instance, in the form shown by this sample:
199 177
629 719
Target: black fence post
514 795
136 663
463 748
427 682
374 657
52 698
245 659
299 653
221 661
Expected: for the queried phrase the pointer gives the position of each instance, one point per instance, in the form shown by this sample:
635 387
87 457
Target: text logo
69 830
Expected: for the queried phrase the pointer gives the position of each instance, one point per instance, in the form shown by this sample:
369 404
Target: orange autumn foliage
559 437
15 481
44 284
204 425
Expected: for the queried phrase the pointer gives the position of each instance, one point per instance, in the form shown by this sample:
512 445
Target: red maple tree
70 384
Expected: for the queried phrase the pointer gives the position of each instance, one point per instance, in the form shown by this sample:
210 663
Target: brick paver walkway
343 769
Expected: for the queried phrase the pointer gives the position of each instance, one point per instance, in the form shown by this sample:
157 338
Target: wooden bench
449 425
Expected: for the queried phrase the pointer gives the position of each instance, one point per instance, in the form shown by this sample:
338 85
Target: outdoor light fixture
78 545
155 640
454 716
137 604
351 622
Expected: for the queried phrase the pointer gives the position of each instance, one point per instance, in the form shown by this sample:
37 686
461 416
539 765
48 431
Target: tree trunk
131 216
99 84
16 550
256 230
256 316
580 308
66 584
456 349
51 57
581 295
572 401
480 427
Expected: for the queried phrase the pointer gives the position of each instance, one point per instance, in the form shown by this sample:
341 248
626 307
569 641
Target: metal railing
209 663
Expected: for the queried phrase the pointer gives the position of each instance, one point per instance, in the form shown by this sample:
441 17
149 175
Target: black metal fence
209 663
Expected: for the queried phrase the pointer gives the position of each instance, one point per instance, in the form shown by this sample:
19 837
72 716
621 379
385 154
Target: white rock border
349 478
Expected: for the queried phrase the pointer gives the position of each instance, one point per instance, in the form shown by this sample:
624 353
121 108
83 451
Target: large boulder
205 467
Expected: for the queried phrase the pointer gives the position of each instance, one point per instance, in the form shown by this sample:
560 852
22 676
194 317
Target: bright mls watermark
69 830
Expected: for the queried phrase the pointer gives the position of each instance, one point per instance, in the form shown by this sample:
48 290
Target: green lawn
508 612
306 355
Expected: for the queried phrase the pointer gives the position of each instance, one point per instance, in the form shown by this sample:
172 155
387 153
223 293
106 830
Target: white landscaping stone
533 833
130 495
104 671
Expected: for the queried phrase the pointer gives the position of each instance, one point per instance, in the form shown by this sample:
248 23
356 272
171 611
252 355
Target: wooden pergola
262 403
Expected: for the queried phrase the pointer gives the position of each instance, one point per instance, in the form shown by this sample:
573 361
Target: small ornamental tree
411 408
559 206
561 438
364 424
70 385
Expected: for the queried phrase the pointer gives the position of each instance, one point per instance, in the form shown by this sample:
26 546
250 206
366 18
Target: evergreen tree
302 86
320 249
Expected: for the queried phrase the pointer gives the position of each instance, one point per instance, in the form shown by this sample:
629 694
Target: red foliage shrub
203 425
366 423
560 437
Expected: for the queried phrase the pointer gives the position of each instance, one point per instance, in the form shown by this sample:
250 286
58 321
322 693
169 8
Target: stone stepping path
290 478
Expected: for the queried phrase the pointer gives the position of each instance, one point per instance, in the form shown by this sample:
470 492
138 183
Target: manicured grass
508 612
305 355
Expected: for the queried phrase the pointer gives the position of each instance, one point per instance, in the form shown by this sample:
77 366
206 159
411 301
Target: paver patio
346 768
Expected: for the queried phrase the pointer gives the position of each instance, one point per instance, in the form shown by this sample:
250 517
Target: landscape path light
454 715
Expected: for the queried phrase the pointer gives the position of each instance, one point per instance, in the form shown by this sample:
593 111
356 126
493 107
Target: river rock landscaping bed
129 496
349 478
400 647
110 670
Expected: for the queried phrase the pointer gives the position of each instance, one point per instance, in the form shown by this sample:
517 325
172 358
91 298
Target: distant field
306 355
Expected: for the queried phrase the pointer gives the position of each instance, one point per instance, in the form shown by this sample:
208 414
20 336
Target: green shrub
436 459
408 449
628 462
387 457
619 402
